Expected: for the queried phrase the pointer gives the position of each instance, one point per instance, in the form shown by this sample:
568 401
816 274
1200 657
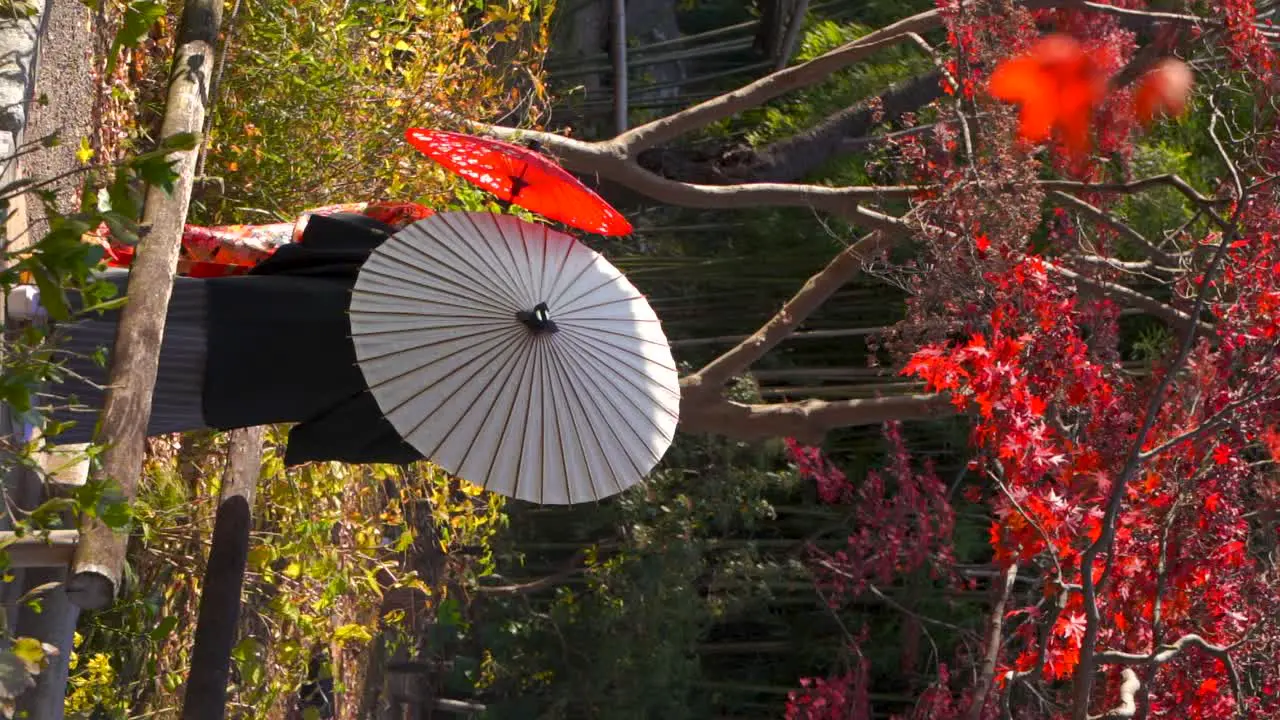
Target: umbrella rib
492 259
607 335
570 361
506 424
525 282
425 345
489 256
421 300
456 288
489 271
545 263
609 280
553 291
476 369
607 319
535 277
400 259
590 337
566 312
512 357
571 398
555 416
612 370
493 325
571 368
447 375
480 278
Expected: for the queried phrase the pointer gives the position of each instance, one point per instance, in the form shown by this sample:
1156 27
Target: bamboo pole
99 559
620 66
32 551
219 615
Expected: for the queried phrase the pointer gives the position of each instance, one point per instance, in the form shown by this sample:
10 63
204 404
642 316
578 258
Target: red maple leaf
1058 85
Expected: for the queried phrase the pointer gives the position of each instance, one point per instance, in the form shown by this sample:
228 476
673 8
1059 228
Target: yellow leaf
351 633
258 558
32 653
85 153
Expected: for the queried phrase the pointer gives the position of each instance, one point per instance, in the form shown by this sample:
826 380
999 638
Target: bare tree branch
1087 667
807 421
1170 314
1129 296
1168 652
573 567
669 128
1136 186
1128 705
985 679
1157 606
1105 218
792 158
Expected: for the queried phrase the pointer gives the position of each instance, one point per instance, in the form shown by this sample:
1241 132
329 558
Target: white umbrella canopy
515 357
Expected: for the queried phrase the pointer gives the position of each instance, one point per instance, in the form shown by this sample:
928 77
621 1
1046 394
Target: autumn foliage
1137 511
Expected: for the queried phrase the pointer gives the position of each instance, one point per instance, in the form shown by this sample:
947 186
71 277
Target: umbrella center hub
518 184
538 320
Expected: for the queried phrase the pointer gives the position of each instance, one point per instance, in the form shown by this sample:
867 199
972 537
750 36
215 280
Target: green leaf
180 141
124 198
164 629
448 613
156 169
246 650
105 305
49 512
88 495
51 296
138 19
93 254
116 515
122 228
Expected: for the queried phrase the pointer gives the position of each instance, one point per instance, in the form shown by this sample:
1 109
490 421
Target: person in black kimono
273 346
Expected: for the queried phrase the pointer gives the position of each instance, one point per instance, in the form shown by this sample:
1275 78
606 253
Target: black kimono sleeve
295 333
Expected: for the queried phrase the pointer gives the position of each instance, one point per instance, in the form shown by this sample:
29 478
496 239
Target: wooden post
206 694
793 34
99 559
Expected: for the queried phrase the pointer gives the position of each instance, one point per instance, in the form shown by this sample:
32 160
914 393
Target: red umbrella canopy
521 176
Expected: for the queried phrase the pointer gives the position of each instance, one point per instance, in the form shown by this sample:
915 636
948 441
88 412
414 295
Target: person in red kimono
256 334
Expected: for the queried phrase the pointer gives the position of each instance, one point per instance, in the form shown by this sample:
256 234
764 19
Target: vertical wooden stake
99 560
219 616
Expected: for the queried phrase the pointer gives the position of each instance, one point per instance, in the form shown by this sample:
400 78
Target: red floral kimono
233 249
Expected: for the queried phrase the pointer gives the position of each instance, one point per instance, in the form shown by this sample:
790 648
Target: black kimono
278 349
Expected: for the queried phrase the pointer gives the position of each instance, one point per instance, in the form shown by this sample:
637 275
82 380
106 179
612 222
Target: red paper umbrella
521 176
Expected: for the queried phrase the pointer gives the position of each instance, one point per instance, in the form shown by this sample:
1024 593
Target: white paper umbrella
515 357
